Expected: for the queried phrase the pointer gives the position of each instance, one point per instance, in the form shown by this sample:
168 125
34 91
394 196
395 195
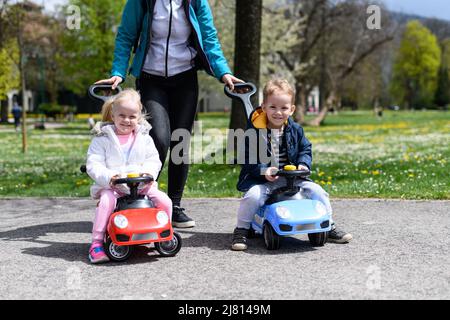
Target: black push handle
96 96
250 90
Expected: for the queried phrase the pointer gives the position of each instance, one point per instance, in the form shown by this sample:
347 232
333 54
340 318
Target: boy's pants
108 200
257 195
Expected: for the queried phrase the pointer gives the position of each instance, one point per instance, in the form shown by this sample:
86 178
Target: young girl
121 145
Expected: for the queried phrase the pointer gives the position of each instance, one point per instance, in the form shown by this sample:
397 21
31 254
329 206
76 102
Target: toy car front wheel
117 253
271 238
318 239
169 248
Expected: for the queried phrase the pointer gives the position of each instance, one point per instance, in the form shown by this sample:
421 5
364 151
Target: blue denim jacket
299 151
134 19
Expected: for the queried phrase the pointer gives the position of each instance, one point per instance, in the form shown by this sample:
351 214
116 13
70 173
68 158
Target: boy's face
278 107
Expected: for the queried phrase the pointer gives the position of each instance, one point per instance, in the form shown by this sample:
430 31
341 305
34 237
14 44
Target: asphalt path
400 251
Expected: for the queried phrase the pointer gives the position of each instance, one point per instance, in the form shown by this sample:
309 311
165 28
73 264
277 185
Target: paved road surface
400 251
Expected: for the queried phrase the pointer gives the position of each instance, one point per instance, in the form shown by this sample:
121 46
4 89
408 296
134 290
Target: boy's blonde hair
277 85
126 94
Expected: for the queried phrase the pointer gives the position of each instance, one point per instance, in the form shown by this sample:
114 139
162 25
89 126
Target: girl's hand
229 80
113 178
302 167
270 174
147 175
115 81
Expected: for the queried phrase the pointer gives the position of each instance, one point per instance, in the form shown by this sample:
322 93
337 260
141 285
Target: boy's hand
302 167
270 174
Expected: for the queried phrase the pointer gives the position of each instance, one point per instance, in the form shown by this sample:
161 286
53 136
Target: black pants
170 103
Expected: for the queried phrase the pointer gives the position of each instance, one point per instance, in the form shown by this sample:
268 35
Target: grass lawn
403 155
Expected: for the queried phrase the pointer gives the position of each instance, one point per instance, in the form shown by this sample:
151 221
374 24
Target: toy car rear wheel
169 248
318 239
117 253
271 238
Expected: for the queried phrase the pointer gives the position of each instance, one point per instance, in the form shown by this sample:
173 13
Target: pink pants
107 203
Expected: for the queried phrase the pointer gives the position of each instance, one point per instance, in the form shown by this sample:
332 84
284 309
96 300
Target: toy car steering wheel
290 176
133 180
293 173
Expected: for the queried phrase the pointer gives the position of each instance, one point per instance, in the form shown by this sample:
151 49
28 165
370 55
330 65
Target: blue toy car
285 212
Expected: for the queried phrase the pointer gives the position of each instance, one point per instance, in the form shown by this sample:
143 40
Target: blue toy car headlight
283 212
320 208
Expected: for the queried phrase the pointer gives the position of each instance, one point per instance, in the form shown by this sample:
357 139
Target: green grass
403 155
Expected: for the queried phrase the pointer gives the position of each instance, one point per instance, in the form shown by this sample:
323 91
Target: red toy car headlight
120 221
162 217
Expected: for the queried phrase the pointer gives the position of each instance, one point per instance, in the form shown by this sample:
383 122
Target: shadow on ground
69 251
222 241
75 251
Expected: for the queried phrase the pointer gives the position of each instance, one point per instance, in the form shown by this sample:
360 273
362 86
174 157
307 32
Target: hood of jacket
105 128
258 120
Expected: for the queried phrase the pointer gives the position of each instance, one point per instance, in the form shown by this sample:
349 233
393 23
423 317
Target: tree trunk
317 121
24 89
3 111
302 105
247 53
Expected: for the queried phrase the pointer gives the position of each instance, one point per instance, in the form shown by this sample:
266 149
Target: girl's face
126 116
278 108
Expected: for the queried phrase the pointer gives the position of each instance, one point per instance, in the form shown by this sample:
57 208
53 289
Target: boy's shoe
97 254
239 239
339 236
180 219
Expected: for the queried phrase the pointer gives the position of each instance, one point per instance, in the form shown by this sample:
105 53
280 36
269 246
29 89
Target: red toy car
137 221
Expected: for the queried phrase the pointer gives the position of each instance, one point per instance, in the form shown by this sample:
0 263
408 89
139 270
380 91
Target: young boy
286 144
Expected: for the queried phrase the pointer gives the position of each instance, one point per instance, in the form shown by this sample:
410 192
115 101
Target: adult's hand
229 80
115 81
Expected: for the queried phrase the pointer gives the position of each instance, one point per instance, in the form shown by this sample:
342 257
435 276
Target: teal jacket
136 18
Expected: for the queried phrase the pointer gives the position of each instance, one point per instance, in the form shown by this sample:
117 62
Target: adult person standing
17 114
172 39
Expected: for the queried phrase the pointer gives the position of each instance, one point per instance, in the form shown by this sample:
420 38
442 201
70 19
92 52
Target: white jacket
105 158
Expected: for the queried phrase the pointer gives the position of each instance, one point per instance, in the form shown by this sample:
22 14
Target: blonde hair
277 85
110 105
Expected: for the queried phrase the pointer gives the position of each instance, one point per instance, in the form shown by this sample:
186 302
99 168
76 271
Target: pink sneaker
97 253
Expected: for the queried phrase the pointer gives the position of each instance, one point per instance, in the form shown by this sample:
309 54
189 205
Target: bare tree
333 41
350 44
14 16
